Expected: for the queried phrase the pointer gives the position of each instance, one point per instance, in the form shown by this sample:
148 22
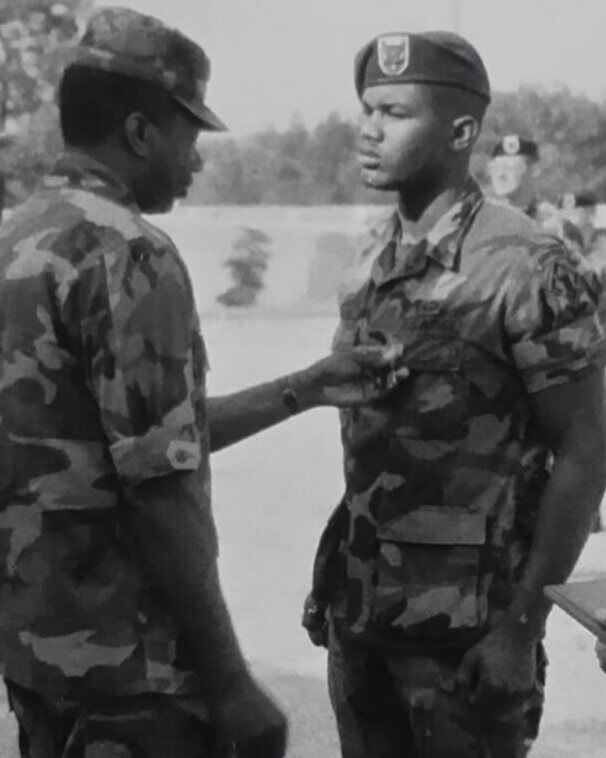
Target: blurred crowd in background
514 171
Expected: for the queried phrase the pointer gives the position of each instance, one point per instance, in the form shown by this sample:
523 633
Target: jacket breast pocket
432 351
433 403
428 572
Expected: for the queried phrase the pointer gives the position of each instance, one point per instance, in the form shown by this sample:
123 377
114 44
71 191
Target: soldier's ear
138 134
465 130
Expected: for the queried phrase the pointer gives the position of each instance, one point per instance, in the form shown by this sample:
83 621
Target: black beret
513 144
427 58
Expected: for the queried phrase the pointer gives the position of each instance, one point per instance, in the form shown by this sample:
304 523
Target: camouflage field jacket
101 386
443 480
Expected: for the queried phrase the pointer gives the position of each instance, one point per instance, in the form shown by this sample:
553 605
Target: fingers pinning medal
392 376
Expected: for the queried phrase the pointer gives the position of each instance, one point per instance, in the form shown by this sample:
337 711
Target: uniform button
182 456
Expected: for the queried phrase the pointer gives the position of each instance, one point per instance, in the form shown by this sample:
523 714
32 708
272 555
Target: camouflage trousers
396 705
140 726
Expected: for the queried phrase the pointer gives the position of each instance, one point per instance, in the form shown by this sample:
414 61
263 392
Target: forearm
566 515
353 377
176 541
242 414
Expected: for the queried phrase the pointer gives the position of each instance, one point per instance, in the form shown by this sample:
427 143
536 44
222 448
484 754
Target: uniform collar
75 170
401 257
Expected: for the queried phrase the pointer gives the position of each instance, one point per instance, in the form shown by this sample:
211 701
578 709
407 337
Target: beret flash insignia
393 53
511 144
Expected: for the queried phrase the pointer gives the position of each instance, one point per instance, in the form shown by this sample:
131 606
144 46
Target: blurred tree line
34 40
298 166
317 166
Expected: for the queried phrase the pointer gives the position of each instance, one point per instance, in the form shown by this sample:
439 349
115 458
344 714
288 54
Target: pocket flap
433 351
436 525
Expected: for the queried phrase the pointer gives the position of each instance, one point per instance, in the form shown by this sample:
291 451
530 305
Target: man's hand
500 666
355 377
315 622
251 721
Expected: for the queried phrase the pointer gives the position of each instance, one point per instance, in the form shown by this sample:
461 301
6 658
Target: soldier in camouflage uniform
476 483
513 169
577 226
114 637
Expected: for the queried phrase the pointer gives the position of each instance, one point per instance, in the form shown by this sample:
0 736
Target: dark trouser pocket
427 572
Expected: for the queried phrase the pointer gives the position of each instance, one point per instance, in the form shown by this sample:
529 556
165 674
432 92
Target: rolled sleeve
554 322
156 453
145 361
550 359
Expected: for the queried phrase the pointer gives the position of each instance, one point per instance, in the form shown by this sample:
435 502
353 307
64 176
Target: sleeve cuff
553 358
158 453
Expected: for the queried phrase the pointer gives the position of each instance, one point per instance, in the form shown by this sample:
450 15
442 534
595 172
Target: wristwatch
290 401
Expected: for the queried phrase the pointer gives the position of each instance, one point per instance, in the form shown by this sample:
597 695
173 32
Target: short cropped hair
454 102
94 104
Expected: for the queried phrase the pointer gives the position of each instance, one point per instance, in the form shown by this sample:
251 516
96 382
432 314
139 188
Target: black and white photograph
302 378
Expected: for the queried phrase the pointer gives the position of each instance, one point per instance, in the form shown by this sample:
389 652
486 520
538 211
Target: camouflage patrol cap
122 41
428 58
513 144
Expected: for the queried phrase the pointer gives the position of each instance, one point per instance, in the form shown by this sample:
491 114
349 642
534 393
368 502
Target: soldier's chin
374 180
503 190
160 205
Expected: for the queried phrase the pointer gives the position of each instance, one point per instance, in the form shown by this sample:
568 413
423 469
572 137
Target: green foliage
318 167
34 39
294 167
247 265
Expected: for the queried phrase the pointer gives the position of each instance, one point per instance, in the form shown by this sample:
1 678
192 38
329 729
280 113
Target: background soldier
513 170
577 213
453 519
115 639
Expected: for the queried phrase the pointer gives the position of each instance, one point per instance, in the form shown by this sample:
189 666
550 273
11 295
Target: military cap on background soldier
114 633
513 144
